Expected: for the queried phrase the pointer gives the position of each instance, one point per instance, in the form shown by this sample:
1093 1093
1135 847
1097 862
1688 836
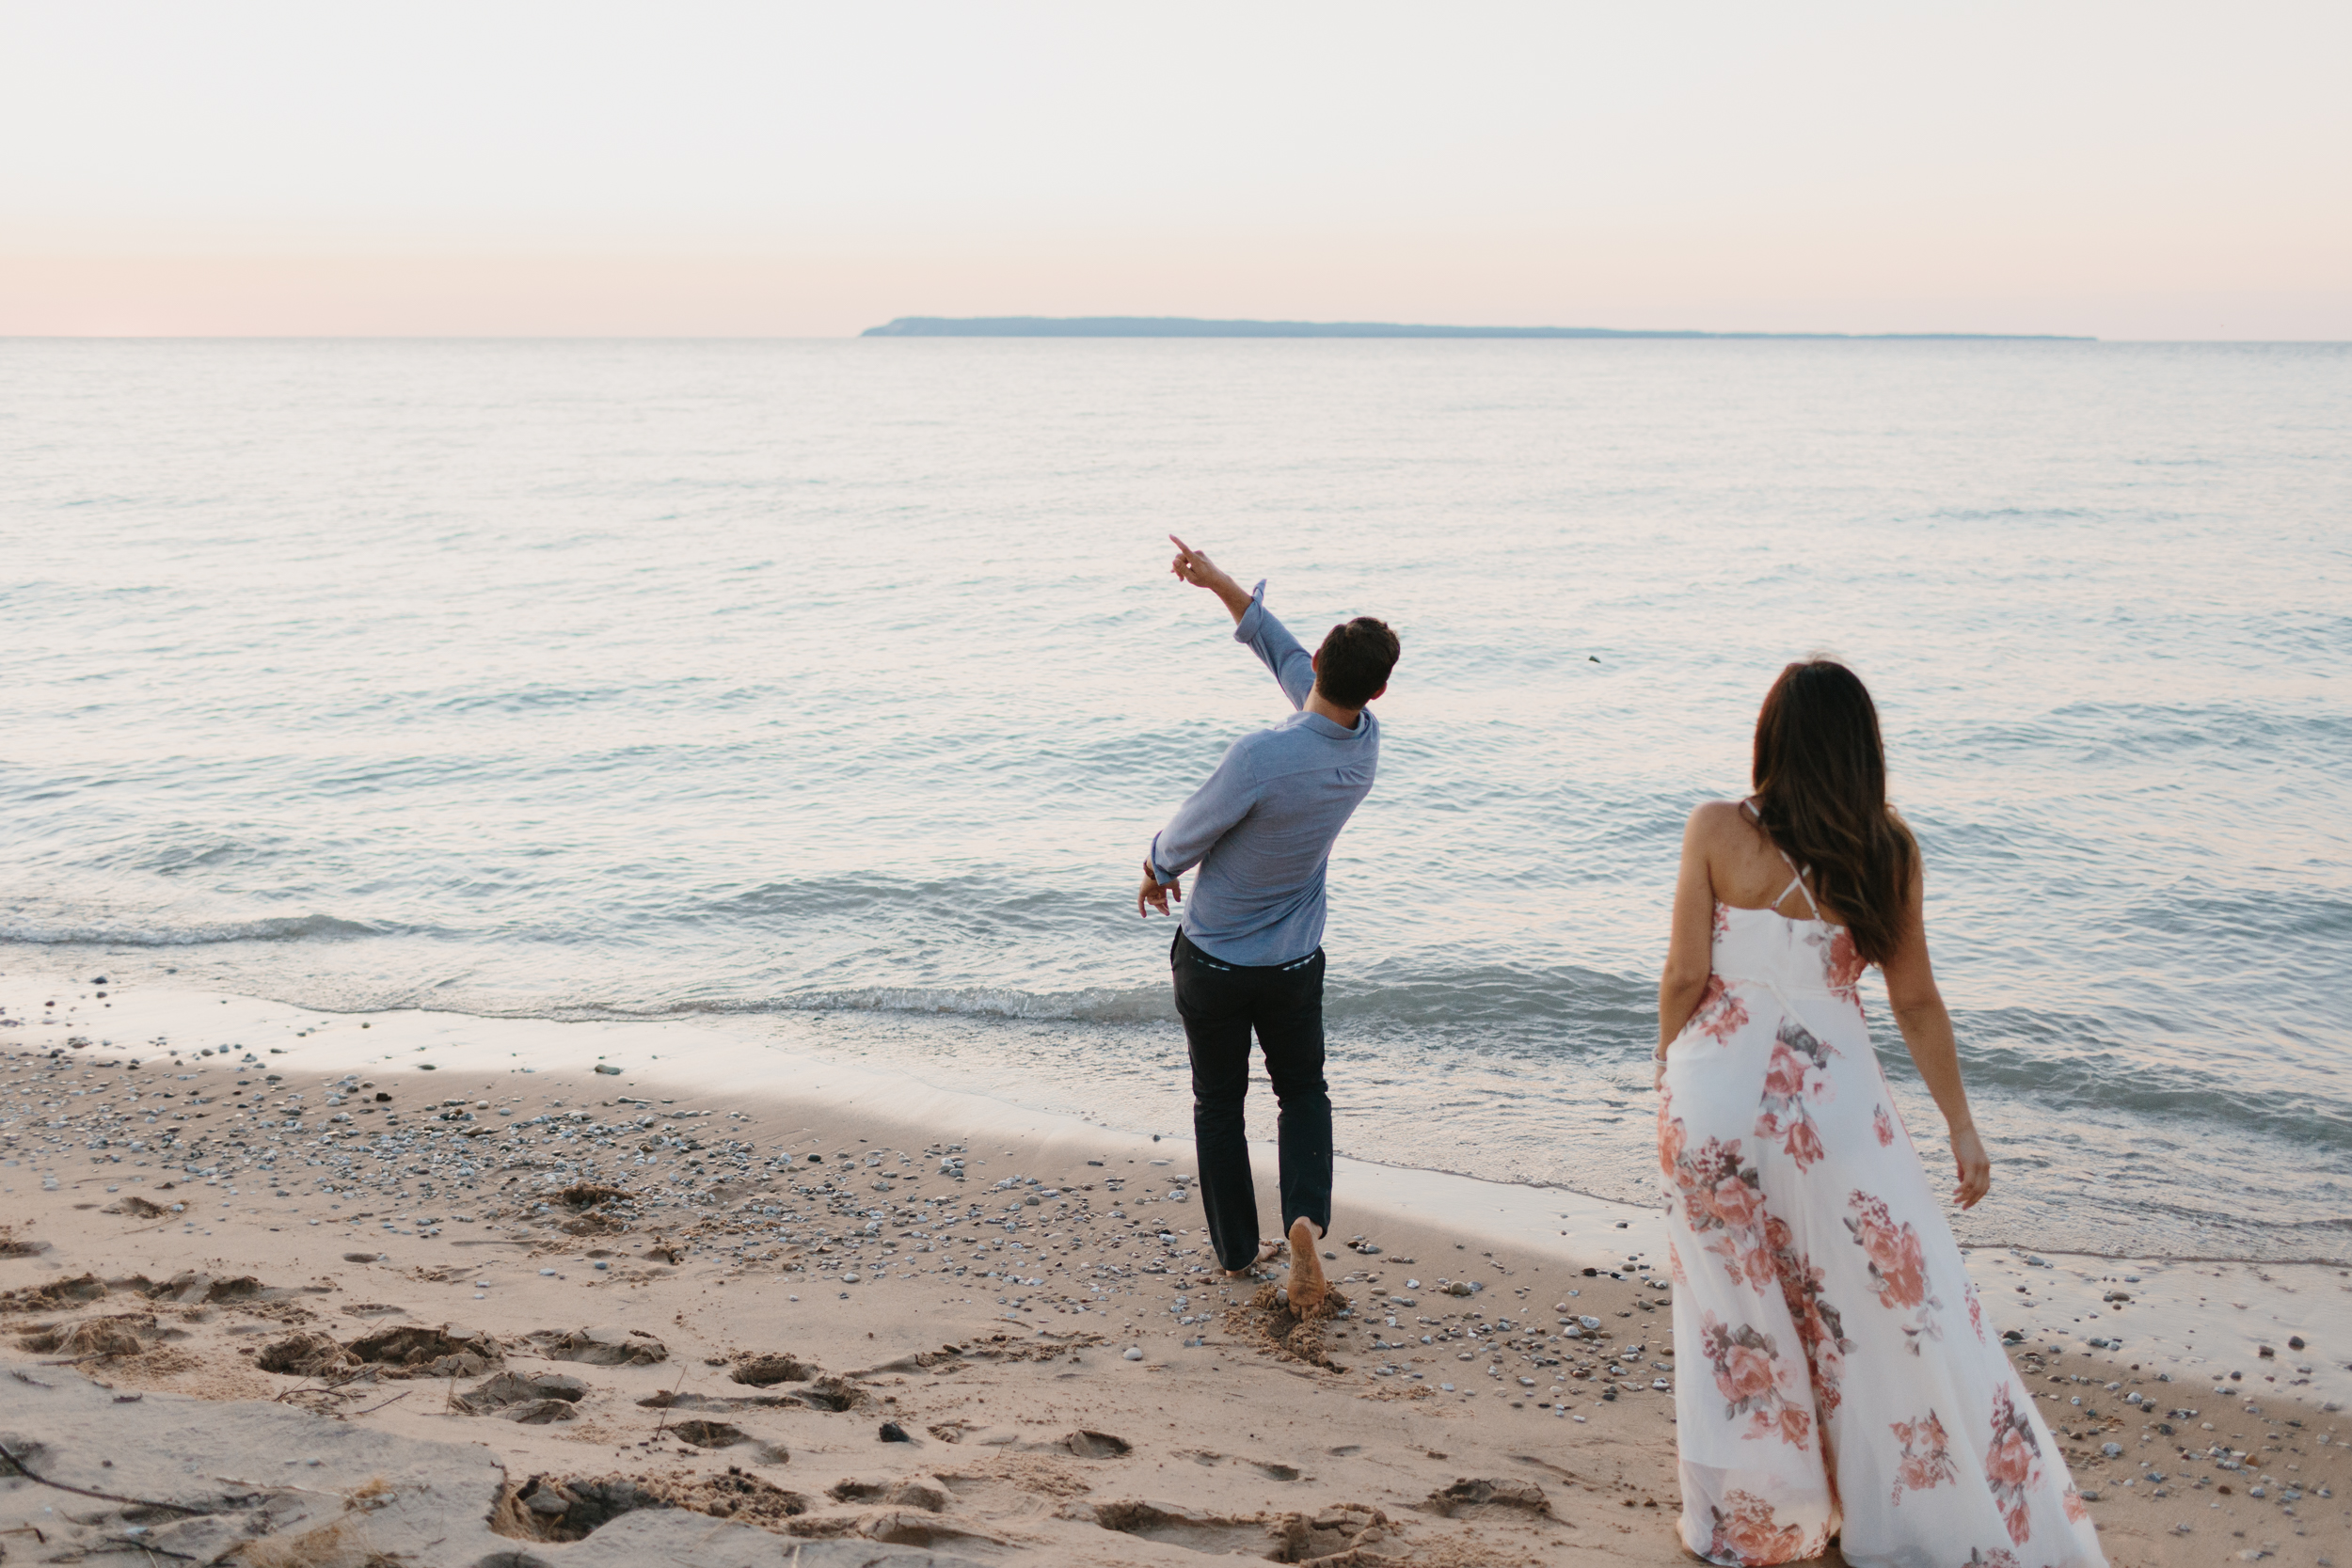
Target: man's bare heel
1306 1284
1267 1252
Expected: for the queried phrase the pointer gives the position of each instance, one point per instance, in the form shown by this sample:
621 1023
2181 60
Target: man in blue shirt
1249 953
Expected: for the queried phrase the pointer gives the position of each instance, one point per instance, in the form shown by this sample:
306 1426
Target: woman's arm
1690 951
1927 1030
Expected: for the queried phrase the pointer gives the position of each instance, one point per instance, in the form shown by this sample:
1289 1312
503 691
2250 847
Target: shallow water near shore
843 682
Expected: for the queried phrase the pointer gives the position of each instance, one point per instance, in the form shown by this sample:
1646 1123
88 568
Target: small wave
2014 514
1580 1011
93 933
2132 730
1572 1001
1141 1004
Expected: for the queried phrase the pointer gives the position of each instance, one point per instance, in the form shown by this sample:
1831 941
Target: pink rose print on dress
1842 966
1926 1461
1999 1556
1976 1313
2012 1465
1719 1014
1723 1202
1748 1536
1819 1329
1748 1375
1898 1267
1797 1071
2076 1509
1737 1199
1883 1128
1670 1132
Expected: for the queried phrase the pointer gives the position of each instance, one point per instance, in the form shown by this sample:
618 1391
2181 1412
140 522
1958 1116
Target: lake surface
846 680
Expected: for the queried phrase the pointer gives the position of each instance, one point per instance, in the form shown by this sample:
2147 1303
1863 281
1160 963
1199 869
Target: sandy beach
281 1286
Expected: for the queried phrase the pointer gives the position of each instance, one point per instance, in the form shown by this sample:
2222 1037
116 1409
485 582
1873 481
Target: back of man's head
1355 660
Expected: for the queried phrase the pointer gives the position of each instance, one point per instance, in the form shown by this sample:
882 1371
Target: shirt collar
1323 726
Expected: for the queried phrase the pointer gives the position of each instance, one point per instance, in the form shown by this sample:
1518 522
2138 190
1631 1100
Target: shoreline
2054 1183
1023 1297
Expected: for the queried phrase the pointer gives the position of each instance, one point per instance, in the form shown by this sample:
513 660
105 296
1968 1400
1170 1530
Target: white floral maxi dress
1834 1375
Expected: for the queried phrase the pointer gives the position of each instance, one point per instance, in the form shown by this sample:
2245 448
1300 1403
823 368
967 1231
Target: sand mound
1267 1322
600 1347
55 1294
117 1334
535 1400
546 1508
1469 1496
411 1351
764 1371
305 1354
584 1195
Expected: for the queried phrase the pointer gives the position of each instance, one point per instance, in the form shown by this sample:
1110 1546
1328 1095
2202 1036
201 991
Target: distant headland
1191 326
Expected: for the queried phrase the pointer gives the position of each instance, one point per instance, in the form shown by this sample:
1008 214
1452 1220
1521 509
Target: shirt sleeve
1276 648
1201 821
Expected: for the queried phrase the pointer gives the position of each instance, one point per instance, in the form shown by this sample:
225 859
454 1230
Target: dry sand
482 1314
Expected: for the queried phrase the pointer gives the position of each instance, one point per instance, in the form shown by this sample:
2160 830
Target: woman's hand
1975 1170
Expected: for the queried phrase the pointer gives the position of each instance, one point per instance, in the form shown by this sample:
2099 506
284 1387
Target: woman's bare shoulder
1716 820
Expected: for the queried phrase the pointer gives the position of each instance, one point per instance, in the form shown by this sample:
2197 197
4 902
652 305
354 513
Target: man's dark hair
1354 661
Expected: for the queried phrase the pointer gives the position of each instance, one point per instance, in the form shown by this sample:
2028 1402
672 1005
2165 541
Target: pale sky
2128 170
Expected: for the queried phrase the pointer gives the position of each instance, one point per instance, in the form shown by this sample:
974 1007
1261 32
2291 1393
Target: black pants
1220 1005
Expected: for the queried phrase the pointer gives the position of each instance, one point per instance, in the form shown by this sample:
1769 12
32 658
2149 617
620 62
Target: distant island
1191 326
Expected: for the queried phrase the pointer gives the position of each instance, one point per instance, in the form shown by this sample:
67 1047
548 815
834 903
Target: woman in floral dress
1836 1378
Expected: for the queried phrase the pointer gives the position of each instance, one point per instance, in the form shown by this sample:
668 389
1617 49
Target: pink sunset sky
2143 170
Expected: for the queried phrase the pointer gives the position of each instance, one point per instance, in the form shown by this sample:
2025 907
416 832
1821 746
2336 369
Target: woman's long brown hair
1820 793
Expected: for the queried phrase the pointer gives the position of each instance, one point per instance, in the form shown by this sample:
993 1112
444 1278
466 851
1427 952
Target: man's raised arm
1293 667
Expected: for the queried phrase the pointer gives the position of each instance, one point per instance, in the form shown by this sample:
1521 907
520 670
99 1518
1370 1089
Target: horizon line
1195 327
1596 335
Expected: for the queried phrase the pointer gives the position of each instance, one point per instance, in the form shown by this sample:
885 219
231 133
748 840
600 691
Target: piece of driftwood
16 1462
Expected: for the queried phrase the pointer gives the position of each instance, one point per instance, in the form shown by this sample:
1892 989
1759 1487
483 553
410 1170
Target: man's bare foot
1307 1286
1266 1254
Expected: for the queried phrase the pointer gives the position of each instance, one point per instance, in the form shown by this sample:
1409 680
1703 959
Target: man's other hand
1192 566
1155 894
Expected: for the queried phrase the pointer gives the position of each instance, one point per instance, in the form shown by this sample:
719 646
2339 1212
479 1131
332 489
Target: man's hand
1191 567
1155 892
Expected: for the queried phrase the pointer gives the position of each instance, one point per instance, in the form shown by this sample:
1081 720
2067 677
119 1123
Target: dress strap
1796 879
1796 884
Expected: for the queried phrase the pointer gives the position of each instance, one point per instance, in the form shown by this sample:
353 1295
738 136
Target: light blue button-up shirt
1262 828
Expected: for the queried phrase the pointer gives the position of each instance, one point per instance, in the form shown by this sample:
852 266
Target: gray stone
360 1491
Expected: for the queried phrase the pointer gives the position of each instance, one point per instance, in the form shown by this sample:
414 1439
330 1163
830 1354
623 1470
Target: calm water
845 680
